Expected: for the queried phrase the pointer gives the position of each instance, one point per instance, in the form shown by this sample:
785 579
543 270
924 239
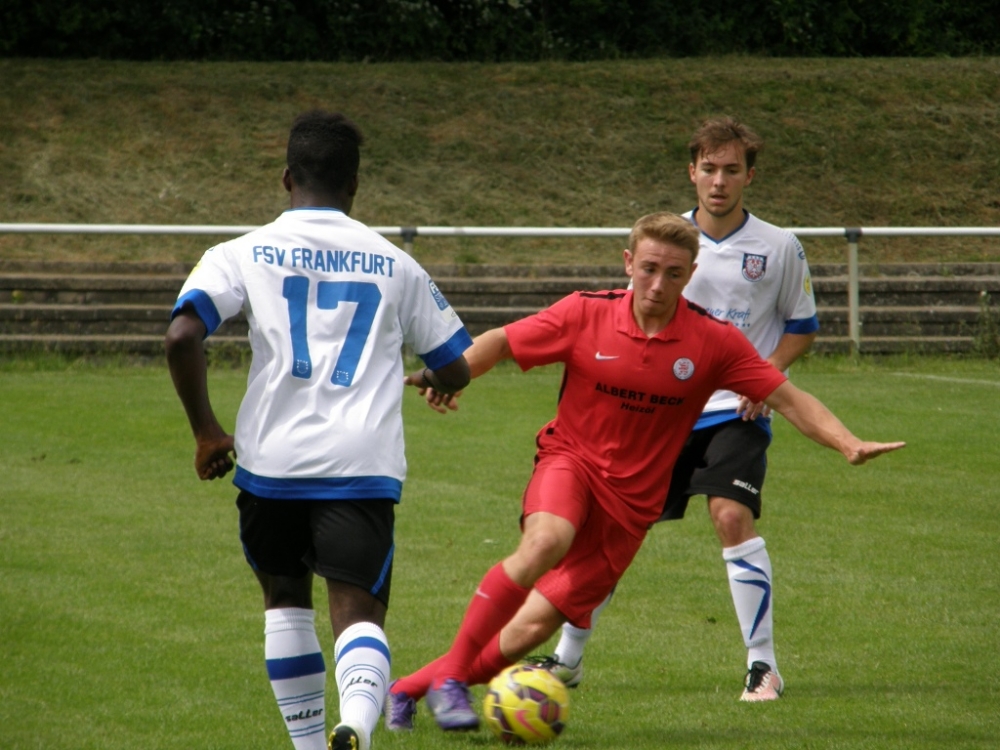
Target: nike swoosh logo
604 356
521 716
479 592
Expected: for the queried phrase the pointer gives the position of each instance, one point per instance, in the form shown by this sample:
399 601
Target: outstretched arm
810 417
189 371
486 351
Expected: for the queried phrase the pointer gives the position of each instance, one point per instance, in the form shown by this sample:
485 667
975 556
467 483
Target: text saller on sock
361 680
306 714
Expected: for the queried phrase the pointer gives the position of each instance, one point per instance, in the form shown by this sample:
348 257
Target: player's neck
652 324
302 199
719 227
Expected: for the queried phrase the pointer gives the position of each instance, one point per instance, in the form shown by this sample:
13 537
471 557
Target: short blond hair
667 228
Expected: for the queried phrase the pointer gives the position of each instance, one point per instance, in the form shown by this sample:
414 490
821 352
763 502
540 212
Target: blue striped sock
297 672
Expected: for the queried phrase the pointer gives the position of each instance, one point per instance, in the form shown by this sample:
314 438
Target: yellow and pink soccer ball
526 705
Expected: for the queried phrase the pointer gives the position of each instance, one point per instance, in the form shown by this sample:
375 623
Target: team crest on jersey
683 368
442 303
754 267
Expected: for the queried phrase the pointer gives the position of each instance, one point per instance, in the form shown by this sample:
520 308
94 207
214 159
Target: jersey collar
312 210
625 322
694 220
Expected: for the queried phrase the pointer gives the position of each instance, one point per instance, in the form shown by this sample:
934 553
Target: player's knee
281 592
733 522
543 548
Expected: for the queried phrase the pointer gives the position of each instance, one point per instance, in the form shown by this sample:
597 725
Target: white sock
749 569
362 654
573 640
298 674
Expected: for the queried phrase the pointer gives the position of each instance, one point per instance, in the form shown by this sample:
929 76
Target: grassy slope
871 142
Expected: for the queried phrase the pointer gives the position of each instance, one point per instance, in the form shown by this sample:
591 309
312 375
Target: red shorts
601 551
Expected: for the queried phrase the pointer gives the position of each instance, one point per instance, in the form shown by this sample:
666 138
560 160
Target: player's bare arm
814 420
790 347
449 379
189 371
440 386
486 351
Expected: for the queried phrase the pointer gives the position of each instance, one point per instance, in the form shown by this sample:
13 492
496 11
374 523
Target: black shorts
726 460
343 540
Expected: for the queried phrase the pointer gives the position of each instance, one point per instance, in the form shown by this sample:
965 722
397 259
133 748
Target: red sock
417 684
489 663
495 602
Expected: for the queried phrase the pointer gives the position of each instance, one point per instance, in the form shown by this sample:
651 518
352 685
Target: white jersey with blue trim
757 278
330 304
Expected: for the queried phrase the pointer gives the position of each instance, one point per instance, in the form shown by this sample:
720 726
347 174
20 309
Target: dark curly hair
324 151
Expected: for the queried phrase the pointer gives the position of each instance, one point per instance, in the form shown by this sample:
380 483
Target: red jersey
628 401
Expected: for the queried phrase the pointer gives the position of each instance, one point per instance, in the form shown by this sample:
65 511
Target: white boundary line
948 380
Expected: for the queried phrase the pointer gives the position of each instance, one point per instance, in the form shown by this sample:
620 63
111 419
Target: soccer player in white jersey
319 437
754 275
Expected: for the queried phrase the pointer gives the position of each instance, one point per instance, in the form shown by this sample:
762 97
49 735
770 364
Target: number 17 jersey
330 304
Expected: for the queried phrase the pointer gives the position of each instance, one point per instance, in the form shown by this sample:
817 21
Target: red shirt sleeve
547 336
743 371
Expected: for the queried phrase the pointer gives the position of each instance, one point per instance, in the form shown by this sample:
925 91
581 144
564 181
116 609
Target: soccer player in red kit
640 365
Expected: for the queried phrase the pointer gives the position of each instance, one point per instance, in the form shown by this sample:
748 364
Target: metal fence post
408 233
853 307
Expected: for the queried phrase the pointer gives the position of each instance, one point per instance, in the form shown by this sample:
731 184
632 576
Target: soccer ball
526 705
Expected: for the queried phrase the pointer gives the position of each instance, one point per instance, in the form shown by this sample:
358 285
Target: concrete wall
124 307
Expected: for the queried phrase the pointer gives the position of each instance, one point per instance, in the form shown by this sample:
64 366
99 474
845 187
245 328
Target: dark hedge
492 30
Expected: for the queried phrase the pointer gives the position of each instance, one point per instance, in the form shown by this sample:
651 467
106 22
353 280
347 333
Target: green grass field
128 618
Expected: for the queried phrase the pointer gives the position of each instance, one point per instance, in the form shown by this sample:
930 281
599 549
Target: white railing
409 233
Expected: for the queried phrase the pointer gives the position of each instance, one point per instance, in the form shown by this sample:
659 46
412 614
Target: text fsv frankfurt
328 261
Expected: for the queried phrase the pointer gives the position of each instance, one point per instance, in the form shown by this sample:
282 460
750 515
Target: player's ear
352 186
750 173
691 170
628 262
286 179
